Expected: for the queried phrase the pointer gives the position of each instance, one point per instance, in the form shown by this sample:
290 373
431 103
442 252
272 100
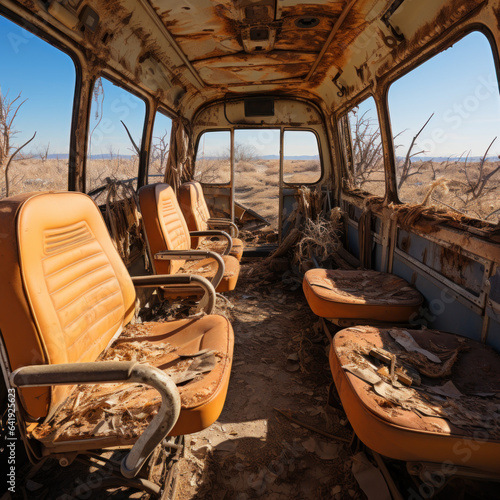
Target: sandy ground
252 451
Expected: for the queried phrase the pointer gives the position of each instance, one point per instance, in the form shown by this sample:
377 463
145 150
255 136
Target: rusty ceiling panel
186 52
257 74
278 60
203 28
293 38
237 28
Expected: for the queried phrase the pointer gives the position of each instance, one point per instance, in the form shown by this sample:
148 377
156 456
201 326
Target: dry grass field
257 181
453 187
36 175
44 175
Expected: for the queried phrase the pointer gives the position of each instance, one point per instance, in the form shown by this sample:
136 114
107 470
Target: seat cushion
237 250
118 413
220 245
425 424
368 295
208 267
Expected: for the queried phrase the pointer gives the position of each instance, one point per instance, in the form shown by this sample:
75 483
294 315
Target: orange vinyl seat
450 418
360 295
194 207
167 232
66 304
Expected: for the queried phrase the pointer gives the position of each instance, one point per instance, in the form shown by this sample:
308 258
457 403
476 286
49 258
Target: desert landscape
257 180
455 185
449 184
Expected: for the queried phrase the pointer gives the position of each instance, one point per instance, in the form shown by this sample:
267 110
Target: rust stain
447 16
453 264
497 16
210 33
289 39
314 10
405 244
338 53
414 277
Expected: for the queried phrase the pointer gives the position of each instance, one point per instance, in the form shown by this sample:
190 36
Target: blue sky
459 86
46 77
109 109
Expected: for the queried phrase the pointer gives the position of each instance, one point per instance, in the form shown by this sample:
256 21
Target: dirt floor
253 451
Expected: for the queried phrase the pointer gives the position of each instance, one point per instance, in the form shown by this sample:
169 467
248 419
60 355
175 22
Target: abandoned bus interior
250 249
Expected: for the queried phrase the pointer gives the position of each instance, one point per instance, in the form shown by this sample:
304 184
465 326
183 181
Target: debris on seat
124 410
459 394
403 338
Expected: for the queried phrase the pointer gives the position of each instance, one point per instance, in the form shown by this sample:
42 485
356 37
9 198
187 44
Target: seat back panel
17 325
165 225
195 209
173 226
76 287
194 206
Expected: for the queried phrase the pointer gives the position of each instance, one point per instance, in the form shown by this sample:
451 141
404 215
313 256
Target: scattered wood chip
405 339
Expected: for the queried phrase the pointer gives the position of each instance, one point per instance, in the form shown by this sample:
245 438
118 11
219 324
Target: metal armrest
207 303
229 245
235 232
195 255
111 372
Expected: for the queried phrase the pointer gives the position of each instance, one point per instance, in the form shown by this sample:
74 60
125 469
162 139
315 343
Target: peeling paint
211 40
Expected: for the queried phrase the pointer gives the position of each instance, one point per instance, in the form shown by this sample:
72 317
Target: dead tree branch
367 149
477 187
8 113
405 173
136 147
12 156
160 152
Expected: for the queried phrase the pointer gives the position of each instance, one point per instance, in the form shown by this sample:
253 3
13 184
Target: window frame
154 112
320 153
72 174
231 147
381 100
441 46
282 130
346 147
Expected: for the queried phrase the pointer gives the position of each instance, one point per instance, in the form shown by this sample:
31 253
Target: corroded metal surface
199 50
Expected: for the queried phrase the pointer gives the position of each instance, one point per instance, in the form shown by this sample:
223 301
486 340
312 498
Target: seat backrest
166 228
65 291
193 205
